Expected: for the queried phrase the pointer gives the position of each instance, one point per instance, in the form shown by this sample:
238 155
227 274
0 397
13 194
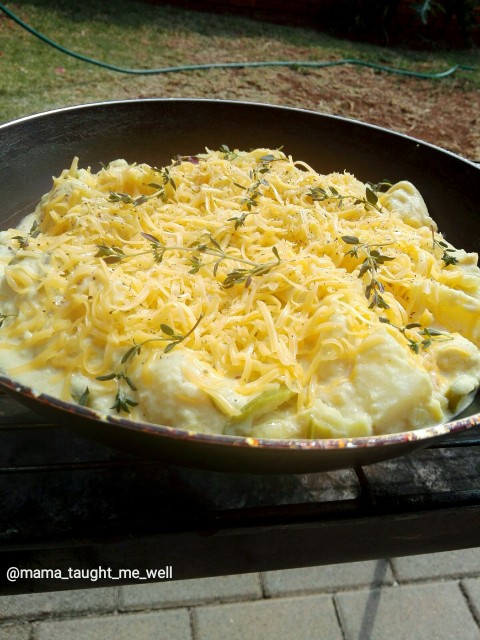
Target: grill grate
71 501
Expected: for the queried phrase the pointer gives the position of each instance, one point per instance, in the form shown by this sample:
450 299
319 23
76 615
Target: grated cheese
88 284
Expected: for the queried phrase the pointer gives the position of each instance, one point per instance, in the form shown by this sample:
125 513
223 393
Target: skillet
35 148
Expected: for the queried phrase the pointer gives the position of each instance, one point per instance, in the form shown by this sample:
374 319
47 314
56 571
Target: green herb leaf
364 268
150 238
448 259
432 332
215 243
130 383
197 265
373 259
131 353
227 154
371 196
83 400
108 376
110 254
167 330
123 402
34 229
350 239
414 346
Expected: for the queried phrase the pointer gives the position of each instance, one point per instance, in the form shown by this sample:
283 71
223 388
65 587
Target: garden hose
233 65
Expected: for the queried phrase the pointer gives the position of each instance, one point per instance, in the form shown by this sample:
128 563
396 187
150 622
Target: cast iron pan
34 149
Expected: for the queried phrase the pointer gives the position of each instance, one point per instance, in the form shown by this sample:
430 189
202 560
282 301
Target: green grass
35 77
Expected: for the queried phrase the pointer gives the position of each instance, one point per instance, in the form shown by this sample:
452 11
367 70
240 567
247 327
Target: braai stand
70 505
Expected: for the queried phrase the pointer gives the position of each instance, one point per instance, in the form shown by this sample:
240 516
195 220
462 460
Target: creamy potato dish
241 293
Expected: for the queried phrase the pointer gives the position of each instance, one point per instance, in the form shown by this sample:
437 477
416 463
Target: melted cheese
134 257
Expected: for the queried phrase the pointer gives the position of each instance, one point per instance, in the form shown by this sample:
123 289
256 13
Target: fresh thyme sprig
116 196
240 220
239 276
446 256
318 194
175 338
432 334
252 193
212 247
227 153
373 259
158 249
123 402
266 160
415 346
167 178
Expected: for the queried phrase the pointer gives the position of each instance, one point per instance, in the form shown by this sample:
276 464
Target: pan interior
154 131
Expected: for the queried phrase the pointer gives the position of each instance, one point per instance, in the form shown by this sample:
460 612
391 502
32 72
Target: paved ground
435 596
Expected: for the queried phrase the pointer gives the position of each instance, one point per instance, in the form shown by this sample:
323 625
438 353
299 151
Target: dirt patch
443 112
444 115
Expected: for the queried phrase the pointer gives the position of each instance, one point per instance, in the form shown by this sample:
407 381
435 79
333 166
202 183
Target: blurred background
417 37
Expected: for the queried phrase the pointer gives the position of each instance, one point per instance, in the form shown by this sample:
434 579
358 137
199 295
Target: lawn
35 77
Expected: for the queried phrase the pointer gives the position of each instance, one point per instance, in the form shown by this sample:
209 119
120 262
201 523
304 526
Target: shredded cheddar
230 275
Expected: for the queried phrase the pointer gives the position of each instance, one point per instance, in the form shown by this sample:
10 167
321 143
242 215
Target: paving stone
329 578
34 605
15 632
472 589
308 618
448 564
422 612
160 625
191 592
